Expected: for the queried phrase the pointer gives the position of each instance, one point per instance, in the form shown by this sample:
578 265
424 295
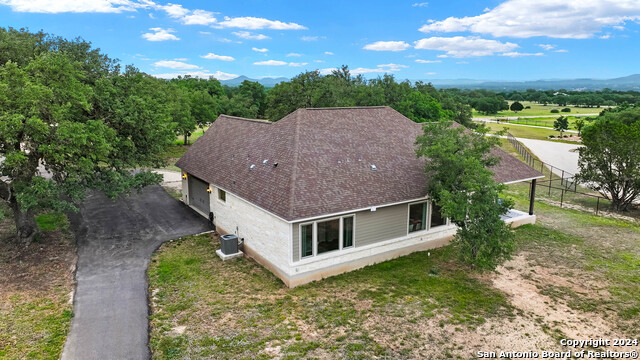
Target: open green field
527 132
545 121
539 109
570 269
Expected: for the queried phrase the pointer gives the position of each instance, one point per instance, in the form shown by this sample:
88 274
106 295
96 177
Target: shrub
551 136
527 107
555 111
566 110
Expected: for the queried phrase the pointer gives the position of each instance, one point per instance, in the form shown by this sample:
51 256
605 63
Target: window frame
427 216
446 220
429 209
314 236
222 195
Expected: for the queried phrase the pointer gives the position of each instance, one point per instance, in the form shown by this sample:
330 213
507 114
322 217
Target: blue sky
438 39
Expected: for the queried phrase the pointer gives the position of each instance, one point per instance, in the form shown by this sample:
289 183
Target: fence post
561 197
562 178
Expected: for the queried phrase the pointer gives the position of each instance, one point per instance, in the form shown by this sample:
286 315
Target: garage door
198 195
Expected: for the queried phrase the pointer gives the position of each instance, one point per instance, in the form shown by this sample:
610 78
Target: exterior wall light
184 176
209 189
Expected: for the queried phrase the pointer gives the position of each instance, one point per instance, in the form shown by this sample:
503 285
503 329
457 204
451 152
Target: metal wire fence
560 186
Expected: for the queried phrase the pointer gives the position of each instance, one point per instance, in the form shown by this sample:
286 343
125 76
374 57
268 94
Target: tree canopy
610 158
71 120
460 181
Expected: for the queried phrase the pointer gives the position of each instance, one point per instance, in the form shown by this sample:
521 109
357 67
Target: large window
306 238
326 235
436 216
347 232
417 217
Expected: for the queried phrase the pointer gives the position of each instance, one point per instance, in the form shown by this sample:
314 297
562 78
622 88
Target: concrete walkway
172 179
560 155
115 241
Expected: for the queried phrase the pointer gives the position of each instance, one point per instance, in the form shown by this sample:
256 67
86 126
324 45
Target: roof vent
264 162
275 164
252 167
373 167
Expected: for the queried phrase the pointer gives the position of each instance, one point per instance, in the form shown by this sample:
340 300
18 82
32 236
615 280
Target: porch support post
532 195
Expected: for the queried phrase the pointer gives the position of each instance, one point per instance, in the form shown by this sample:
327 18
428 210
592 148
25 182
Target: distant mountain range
631 82
266 81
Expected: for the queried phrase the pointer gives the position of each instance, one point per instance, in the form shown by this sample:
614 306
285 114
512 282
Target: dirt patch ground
35 293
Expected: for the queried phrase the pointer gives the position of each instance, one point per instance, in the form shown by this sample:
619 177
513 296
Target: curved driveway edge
115 241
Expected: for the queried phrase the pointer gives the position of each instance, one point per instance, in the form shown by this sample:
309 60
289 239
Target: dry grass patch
35 289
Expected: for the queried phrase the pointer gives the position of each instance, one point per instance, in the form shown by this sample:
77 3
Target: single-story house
322 191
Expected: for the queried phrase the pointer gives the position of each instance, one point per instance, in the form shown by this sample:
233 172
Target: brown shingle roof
324 160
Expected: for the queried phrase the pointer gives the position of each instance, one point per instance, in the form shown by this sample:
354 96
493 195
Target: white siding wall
185 190
264 233
336 258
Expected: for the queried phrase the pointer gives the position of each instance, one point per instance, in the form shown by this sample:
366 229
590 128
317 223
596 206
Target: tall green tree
561 124
458 165
516 106
610 158
68 124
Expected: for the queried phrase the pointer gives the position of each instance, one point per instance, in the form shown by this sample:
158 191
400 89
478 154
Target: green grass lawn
539 109
546 122
35 313
527 132
237 309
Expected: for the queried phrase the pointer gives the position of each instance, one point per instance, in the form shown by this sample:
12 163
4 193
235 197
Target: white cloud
186 16
328 53
205 32
421 4
199 74
318 61
249 36
309 38
387 46
519 54
462 62
460 46
254 23
180 59
199 17
174 10
178 65
62 6
561 51
430 73
279 63
294 54
212 56
547 47
160 34
271 63
384 68
327 71
571 19
428 61
263 50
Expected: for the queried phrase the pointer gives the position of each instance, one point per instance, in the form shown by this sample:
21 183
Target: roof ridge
348 107
294 169
261 121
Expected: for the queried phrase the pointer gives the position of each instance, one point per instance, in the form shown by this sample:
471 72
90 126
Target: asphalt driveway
115 241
